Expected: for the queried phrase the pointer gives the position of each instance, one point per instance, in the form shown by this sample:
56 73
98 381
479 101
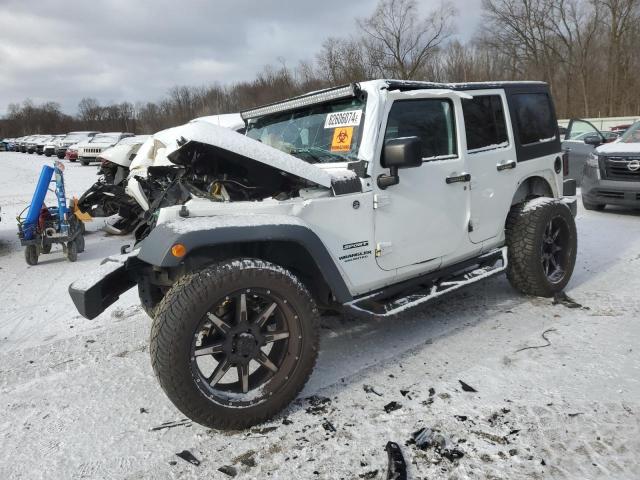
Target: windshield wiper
318 153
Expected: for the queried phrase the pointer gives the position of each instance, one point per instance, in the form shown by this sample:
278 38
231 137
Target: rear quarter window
534 118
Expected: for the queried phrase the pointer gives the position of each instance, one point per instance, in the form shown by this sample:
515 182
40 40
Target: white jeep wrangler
371 198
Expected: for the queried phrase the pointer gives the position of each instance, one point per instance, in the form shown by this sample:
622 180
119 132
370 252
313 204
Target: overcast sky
135 50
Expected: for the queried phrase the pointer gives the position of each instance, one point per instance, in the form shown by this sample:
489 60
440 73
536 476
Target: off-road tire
72 251
181 311
525 230
592 206
31 254
47 154
79 241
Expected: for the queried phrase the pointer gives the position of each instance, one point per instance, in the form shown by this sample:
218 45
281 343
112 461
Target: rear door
491 161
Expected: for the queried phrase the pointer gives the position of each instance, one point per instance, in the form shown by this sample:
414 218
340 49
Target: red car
71 154
620 129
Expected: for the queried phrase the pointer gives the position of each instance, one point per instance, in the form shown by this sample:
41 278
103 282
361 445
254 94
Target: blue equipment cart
43 226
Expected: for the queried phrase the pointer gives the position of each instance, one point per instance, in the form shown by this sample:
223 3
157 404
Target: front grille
610 194
92 150
617 168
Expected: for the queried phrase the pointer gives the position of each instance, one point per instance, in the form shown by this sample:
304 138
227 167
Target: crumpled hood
120 154
619 148
243 146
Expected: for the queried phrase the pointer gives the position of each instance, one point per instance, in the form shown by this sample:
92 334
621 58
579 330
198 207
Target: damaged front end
283 161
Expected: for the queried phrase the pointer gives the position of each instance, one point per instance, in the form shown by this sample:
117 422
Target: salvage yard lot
78 398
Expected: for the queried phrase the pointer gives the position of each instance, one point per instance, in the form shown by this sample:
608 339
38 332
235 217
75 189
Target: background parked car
620 129
32 144
23 143
581 139
612 172
90 150
53 144
41 142
71 153
73 138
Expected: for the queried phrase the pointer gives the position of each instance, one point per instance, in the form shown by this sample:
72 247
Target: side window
484 122
431 120
534 118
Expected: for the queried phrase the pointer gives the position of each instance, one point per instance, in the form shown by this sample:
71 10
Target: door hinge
382 248
380 200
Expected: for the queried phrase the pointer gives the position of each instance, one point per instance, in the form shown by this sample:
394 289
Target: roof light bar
304 100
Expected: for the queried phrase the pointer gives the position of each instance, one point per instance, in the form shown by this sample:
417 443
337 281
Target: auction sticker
350 118
342 139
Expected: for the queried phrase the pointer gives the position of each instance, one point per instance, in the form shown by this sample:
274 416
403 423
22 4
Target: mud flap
91 298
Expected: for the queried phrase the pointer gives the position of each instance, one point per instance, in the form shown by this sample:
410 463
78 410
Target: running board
412 293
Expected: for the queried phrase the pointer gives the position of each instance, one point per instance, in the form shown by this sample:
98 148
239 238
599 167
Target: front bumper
95 292
601 191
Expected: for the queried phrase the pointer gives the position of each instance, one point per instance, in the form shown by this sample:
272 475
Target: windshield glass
104 139
75 138
324 133
632 135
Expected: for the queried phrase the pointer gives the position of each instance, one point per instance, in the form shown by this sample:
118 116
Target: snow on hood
232 121
239 144
619 147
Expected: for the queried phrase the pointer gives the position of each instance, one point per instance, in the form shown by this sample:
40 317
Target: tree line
587 50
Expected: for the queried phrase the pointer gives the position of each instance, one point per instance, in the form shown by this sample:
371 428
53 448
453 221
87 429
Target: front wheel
233 344
542 245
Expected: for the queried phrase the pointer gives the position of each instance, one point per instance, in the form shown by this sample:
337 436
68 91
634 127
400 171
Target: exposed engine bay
200 169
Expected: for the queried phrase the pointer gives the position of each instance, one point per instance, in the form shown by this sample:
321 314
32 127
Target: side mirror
593 139
405 152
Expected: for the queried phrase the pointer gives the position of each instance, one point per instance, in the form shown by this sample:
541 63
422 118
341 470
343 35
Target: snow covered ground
78 398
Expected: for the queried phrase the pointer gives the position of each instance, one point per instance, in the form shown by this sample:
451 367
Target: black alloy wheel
245 347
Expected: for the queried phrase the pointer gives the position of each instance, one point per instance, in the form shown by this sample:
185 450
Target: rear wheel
542 245
592 206
31 254
234 343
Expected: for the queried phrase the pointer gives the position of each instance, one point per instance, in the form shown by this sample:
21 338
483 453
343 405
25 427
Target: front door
577 150
425 217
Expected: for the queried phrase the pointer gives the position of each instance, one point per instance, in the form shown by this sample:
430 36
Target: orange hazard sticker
342 139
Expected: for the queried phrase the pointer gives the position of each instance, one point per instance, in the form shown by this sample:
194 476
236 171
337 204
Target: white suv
371 198
90 150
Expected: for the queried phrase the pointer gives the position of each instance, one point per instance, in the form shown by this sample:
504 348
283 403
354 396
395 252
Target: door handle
510 165
464 177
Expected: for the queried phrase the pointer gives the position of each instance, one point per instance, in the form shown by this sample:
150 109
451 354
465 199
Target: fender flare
156 248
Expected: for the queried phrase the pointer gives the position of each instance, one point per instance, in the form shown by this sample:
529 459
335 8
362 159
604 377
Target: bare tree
399 42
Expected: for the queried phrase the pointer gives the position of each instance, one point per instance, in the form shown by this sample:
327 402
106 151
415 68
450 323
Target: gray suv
612 172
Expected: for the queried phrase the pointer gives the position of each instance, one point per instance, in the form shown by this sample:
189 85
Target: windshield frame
313 153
